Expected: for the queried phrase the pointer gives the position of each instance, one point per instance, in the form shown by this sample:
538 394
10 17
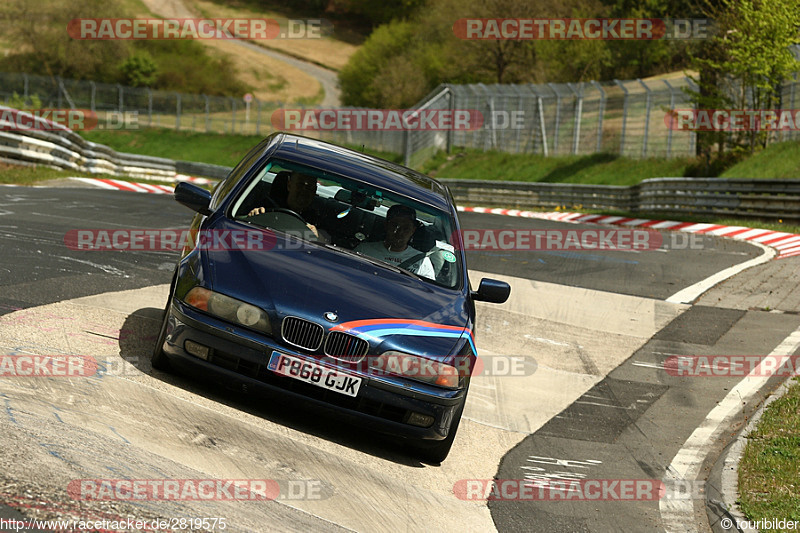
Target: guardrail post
208 111
178 112
624 117
576 130
600 111
558 117
672 111
646 117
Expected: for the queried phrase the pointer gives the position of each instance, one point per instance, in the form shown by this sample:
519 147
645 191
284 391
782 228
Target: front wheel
438 451
158 359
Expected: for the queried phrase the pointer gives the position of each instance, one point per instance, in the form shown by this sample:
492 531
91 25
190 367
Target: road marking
692 292
739 233
676 514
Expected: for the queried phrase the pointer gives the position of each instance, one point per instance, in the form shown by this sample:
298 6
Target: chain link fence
151 108
619 117
629 118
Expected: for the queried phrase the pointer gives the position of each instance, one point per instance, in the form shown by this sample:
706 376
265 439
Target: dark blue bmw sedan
330 276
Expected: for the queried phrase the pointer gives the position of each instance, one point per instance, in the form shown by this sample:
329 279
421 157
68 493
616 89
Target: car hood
393 311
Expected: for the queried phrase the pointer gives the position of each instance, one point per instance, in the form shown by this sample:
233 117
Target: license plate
318 375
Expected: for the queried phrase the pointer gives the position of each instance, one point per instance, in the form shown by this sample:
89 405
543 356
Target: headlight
228 308
415 367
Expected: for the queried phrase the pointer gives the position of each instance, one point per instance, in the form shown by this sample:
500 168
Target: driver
302 190
401 223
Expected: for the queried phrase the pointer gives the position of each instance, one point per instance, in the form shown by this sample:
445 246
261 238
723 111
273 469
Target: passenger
401 223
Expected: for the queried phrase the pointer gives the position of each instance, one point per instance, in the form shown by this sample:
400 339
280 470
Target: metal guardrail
762 198
749 198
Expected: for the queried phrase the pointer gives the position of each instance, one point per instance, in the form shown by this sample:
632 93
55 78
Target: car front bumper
238 360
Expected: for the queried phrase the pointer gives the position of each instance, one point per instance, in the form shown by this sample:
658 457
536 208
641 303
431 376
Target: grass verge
769 471
214 148
780 160
16 175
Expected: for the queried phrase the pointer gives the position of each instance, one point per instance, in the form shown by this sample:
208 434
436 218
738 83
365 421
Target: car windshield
350 215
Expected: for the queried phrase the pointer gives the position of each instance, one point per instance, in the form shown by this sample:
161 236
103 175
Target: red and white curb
120 185
786 244
198 181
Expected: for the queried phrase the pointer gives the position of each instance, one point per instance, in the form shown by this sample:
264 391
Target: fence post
543 132
25 88
178 112
558 117
406 147
791 101
120 103
493 137
58 90
646 117
576 130
258 117
692 134
521 110
149 107
208 111
451 104
624 117
92 96
233 115
671 111
66 94
600 113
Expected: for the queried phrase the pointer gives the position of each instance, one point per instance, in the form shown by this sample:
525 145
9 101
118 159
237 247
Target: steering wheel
285 210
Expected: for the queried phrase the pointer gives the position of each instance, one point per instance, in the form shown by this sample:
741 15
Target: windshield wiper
373 260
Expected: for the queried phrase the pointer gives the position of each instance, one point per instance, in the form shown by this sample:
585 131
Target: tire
437 452
158 359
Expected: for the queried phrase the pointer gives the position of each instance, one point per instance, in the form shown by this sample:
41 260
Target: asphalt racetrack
594 401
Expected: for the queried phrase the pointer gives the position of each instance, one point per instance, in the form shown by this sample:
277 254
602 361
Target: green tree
743 66
139 70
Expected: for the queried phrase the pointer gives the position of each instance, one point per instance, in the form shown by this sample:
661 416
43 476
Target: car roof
363 167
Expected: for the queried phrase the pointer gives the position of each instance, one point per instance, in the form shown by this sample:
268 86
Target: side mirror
194 197
492 291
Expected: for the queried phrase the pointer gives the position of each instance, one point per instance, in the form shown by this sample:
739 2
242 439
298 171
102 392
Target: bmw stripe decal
377 329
